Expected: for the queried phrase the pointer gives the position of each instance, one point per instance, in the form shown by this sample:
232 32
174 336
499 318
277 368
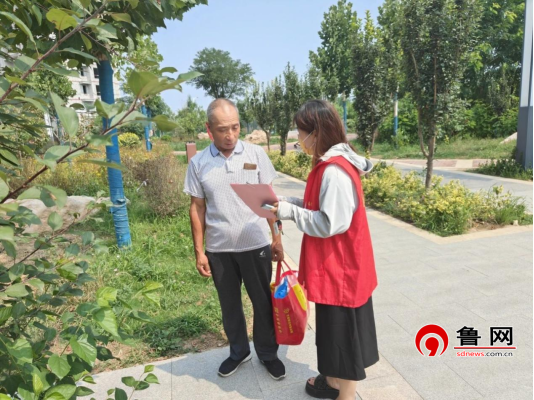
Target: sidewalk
478 283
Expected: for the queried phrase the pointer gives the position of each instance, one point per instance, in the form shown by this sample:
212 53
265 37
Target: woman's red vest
339 270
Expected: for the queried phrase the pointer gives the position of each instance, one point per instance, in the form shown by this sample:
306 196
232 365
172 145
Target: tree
287 97
371 91
49 344
190 119
312 84
495 64
245 111
222 76
145 57
333 58
263 106
436 41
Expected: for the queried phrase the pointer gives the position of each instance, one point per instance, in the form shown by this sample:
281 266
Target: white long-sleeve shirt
338 201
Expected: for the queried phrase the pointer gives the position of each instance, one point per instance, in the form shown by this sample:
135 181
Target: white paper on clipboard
254 196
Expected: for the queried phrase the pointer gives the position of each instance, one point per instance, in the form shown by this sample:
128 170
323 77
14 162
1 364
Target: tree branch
51 50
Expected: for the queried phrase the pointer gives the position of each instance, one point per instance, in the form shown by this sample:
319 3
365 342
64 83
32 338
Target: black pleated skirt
346 340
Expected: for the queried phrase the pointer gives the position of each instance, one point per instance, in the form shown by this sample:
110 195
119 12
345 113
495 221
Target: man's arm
197 214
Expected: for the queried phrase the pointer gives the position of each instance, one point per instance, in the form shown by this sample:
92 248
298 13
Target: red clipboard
256 195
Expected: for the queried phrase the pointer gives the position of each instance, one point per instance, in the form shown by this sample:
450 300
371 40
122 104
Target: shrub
166 138
506 168
129 139
163 191
448 209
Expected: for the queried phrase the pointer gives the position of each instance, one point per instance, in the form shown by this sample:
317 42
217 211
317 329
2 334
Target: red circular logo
431 343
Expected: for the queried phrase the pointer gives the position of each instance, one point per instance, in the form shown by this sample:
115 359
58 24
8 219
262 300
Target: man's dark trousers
254 269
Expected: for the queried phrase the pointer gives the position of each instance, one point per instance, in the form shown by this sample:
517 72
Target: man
237 243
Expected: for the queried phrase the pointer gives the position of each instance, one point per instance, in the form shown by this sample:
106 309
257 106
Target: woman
337 264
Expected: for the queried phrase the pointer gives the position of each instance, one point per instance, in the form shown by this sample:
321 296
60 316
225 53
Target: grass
466 148
189 318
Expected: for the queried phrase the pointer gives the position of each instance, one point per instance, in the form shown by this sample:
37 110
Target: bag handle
279 271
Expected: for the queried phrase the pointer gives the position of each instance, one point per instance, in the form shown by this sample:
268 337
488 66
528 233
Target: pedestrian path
477 282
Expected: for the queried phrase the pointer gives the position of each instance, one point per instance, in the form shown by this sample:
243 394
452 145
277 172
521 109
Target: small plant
129 139
166 138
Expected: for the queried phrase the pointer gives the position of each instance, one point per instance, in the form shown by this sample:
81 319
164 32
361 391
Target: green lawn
189 318
455 149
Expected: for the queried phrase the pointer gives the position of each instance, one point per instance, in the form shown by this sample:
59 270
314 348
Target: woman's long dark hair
321 118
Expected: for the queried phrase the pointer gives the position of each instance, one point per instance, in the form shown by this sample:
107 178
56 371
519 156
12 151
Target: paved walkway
475 282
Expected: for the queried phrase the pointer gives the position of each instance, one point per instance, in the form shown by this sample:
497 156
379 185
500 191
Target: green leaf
105 32
7 233
83 391
67 116
24 63
56 152
142 386
33 102
87 238
59 365
21 350
22 26
89 379
17 290
141 83
133 3
106 318
86 41
151 378
81 53
31 193
149 368
50 334
16 271
170 70
60 392
37 384
83 349
55 221
51 164
104 164
59 195
5 397
121 17
60 70
26 393
108 110
5 313
70 272
100 140
9 207
105 295
37 14
73 250
120 394
61 19
36 283
164 123
187 76
14 79
4 189
9 157
129 381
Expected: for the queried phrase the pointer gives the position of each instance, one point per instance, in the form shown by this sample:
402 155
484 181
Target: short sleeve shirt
230 225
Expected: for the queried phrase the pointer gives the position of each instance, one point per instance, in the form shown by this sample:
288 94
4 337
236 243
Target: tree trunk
283 142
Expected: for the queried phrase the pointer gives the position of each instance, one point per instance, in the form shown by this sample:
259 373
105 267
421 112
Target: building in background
87 87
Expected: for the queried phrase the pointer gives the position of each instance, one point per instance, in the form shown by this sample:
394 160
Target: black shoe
275 368
229 366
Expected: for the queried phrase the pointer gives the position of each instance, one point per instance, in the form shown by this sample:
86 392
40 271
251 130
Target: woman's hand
275 209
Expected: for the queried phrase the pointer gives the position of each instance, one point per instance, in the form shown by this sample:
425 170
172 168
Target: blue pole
116 188
147 113
395 117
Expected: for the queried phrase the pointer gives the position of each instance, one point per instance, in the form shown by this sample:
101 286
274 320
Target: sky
267 34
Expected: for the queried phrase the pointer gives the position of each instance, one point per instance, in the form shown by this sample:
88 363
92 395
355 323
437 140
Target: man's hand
203 266
277 250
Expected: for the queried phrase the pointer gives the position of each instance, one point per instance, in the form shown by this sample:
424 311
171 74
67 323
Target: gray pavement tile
300 362
195 377
489 375
500 306
508 283
390 301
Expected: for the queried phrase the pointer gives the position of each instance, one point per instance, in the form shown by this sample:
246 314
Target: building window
82 71
95 72
85 89
98 90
